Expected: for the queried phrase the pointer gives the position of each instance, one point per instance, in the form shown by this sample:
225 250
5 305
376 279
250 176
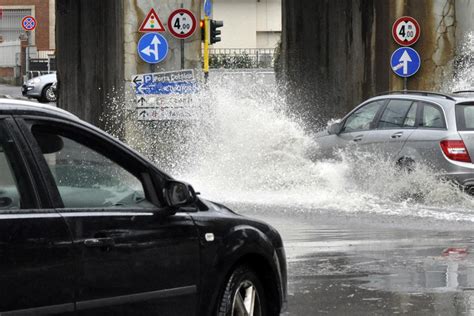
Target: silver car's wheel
48 94
243 294
246 300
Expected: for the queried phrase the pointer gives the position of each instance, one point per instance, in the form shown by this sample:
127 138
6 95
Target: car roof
15 106
429 96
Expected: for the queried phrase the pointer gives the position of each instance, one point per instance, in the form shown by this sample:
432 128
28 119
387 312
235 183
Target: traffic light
215 33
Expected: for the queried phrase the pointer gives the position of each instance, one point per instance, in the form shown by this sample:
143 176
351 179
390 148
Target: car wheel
406 165
243 295
48 94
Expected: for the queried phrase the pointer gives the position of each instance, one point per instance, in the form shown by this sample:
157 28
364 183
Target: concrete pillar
89 49
337 53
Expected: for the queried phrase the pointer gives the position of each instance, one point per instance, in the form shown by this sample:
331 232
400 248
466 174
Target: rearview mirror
335 129
179 193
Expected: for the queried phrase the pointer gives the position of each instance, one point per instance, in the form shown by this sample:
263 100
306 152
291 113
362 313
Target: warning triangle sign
151 23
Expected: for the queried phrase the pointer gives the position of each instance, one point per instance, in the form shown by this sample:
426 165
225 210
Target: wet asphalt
364 265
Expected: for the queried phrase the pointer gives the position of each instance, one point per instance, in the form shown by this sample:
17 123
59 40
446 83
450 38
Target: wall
135 12
90 61
41 11
248 23
337 53
240 23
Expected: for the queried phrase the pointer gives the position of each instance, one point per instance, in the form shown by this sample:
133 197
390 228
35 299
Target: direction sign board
28 23
406 31
207 7
167 76
167 88
150 83
405 62
182 23
165 113
152 48
151 23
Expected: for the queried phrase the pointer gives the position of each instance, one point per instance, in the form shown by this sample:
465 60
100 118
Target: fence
10 54
236 58
42 64
10 23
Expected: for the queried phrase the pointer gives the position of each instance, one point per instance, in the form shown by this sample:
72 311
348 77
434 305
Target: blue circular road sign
405 62
152 48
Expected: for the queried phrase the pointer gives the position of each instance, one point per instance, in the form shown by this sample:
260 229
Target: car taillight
455 150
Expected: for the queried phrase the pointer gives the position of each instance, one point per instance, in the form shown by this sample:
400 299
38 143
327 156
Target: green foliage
233 61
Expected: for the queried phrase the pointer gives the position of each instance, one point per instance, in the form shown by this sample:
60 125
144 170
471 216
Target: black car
88 226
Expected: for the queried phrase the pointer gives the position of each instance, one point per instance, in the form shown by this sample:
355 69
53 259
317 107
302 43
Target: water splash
464 67
258 155
244 147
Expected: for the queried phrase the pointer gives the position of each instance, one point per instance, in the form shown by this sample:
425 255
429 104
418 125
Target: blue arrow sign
207 7
167 88
152 48
405 62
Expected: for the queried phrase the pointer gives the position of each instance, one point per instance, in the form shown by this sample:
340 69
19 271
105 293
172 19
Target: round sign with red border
406 31
28 23
182 23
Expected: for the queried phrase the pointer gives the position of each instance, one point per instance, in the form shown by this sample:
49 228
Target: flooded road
362 238
345 265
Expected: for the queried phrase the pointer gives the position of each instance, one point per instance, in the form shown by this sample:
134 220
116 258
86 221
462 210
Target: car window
410 119
86 178
432 117
362 119
465 117
394 114
9 194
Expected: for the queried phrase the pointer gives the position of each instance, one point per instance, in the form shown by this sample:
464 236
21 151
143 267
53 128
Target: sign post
152 48
165 96
405 61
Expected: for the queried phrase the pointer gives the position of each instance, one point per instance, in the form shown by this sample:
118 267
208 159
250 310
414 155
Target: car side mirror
335 129
179 194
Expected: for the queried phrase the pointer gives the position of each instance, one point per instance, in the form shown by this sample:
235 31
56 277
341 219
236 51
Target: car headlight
33 81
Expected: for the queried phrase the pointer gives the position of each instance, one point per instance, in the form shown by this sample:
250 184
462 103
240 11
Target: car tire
243 294
406 165
47 95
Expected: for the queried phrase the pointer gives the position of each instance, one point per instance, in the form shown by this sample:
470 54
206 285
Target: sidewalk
13 91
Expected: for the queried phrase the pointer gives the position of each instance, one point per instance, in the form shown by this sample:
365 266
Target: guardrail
235 58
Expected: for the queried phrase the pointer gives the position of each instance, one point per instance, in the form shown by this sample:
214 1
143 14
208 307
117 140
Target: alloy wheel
246 300
50 96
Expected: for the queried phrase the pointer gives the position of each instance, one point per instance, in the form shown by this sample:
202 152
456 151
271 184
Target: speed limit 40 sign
406 31
182 23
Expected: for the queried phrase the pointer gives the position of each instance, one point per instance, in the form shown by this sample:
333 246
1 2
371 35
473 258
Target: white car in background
40 88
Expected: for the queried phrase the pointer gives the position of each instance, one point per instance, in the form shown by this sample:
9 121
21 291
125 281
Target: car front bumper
30 91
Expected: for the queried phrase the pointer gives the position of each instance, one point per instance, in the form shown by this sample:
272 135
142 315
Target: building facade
17 46
248 23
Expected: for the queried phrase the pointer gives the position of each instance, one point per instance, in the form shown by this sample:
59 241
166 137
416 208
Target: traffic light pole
206 48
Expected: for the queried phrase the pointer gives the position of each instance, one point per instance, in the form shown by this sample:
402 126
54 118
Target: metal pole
206 48
405 83
182 48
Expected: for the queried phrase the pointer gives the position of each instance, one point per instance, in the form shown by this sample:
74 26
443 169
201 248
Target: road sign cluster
153 47
164 95
405 61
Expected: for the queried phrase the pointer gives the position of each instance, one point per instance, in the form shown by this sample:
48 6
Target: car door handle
358 138
397 135
99 242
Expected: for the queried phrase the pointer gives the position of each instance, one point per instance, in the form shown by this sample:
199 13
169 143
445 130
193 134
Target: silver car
411 127
40 88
